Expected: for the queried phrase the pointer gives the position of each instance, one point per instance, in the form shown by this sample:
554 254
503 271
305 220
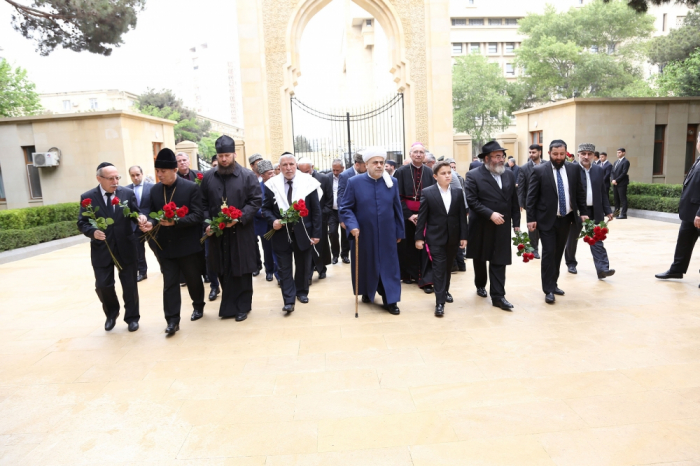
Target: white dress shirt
108 202
565 179
335 192
498 180
446 197
589 188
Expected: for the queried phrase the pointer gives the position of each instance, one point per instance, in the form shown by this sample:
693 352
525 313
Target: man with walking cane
371 206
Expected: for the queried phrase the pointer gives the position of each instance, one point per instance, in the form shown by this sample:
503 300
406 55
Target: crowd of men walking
415 223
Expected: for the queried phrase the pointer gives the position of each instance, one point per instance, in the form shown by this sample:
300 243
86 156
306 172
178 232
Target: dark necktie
109 202
289 192
562 195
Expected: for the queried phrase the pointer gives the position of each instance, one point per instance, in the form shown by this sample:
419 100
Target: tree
92 25
164 104
207 145
17 94
642 6
679 43
479 98
681 78
302 144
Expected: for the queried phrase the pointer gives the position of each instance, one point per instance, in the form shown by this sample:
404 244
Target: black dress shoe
448 297
428 289
321 275
288 308
196 315
549 298
537 255
206 278
407 281
454 268
572 269
439 310
606 273
269 277
109 323
462 268
621 217
393 309
172 328
256 273
303 299
668 274
365 299
502 303
481 292
335 260
141 277
213 294
241 317
133 326
346 260
558 291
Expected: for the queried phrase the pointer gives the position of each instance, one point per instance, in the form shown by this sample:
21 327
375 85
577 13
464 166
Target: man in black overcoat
689 213
122 241
232 256
523 181
293 244
620 180
554 198
183 167
180 247
598 206
493 210
323 258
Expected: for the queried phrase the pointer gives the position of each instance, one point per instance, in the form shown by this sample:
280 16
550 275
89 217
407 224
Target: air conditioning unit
45 159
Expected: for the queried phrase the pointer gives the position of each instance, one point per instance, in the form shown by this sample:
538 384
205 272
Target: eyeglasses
113 178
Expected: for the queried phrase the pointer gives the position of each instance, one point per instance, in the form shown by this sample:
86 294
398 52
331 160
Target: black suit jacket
191 175
542 199
523 182
601 199
516 171
327 188
145 205
120 235
181 239
441 227
475 164
619 172
607 171
689 206
312 222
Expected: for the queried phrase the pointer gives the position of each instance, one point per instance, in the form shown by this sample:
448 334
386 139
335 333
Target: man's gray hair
182 153
358 158
449 160
337 162
136 166
430 156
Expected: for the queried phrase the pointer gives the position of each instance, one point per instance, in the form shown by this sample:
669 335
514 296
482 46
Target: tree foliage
679 43
681 78
78 25
302 144
643 5
18 96
207 145
479 98
164 104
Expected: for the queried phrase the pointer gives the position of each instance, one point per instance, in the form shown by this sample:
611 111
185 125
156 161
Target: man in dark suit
293 244
689 213
339 241
323 258
554 197
620 179
181 249
607 170
358 167
120 239
390 167
476 163
142 191
523 181
266 172
183 167
514 168
598 206
442 229
493 209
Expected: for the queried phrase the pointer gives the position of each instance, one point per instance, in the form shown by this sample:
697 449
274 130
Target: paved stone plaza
609 375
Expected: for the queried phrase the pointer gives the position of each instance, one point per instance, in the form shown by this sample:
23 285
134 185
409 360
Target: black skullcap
225 145
166 159
391 162
104 164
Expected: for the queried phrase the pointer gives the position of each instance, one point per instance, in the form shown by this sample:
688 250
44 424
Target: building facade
88 101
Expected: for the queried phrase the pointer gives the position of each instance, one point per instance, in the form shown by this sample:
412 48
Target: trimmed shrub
13 239
654 189
31 217
657 204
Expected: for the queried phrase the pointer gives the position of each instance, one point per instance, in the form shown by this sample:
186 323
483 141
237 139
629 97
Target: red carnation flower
185 209
304 213
169 213
181 212
222 225
235 213
526 260
115 200
521 247
596 229
86 203
301 203
297 206
604 230
586 238
172 205
199 176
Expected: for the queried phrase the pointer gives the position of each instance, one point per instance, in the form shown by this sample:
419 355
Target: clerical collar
417 168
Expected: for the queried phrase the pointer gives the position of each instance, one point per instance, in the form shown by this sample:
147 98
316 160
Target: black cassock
232 256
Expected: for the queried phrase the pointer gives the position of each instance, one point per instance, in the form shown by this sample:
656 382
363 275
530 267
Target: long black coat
601 199
542 198
488 241
327 210
182 239
404 178
242 191
120 235
689 206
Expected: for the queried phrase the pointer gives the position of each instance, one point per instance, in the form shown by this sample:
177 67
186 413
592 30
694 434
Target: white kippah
304 160
372 152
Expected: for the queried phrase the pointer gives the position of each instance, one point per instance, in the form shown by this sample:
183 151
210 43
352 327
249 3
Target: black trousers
339 242
443 258
269 256
293 266
535 239
236 295
620 196
553 246
410 260
191 269
496 274
687 237
600 255
142 266
104 287
323 251
459 259
213 279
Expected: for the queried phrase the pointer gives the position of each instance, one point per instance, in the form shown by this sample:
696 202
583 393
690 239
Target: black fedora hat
491 146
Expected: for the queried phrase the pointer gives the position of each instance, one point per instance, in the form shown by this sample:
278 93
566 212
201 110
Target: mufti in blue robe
375 209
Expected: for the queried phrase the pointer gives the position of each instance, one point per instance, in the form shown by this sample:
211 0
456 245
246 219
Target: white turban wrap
372 152
304 160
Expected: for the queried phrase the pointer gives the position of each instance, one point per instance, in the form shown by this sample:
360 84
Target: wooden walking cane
357 272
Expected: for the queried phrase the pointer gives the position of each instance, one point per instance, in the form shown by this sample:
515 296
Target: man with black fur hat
119 238
232 256
181 249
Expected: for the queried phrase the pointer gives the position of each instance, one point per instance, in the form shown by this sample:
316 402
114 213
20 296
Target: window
2 188
536 137
33 178
510 47
456 49
459 21
157 146
510 71
495 21
493 48
474 48
659 135
66 105
368 22
476 21
679 21
470 2
663 23
689 147
93 104
511 21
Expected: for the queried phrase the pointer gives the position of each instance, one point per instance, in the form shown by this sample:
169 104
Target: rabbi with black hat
181 250
232 255
493 210
119 238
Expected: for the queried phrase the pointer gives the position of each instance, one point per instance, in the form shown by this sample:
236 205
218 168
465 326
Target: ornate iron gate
324 136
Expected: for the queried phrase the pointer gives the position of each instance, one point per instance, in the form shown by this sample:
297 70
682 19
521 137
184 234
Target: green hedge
654 189
655 203
31 217
13 239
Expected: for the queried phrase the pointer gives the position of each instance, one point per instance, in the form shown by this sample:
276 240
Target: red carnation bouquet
521 240
101 223
169 213
218 223
592 233
198 179
292 215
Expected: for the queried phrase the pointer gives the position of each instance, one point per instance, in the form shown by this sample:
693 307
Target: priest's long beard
558 165
228 170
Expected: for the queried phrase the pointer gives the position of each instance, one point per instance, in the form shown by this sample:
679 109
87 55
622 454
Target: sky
165 31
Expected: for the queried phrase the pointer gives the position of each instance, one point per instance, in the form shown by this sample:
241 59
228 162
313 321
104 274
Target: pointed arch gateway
388 18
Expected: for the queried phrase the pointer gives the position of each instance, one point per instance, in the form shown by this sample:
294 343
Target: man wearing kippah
265 171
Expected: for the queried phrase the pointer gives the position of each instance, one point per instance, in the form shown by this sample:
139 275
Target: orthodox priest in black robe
232 256
412 178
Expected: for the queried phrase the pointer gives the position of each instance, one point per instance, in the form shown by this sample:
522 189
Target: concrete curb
652 215
43 248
